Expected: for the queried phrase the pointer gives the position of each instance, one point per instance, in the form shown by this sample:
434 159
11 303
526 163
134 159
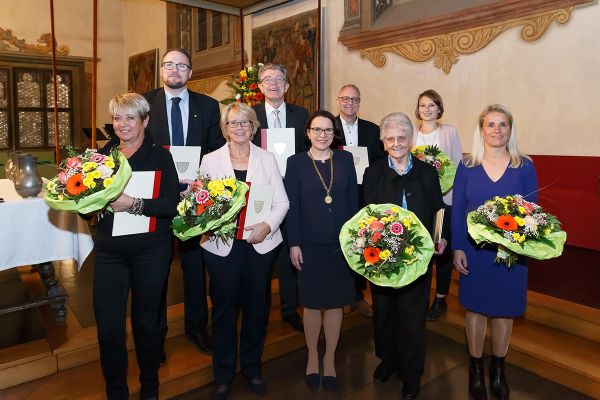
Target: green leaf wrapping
403 274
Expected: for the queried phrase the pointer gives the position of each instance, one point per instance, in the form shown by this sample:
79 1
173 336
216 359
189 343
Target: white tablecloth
32 233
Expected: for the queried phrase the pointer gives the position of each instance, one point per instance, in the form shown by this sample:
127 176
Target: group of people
300 235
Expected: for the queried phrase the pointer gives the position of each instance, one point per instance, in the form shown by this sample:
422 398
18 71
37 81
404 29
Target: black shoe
498 382
257 385
312 381
438 308
382 373
329 382
295 321
477 388
221 392
411 389
201 340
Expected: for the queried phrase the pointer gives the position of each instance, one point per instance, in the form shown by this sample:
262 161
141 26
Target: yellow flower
95 174
547 231
227 194
243 87
216 187
384 255
51 187
183 206
407 222
230 183
409 250
89 182
89 166
522 209
520 221
61 197
109 162
107 182
243 73
395 210
519 238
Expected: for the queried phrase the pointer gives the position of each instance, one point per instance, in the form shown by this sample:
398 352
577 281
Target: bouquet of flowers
88 182
245 87
518 227
442 163
210 205
386 244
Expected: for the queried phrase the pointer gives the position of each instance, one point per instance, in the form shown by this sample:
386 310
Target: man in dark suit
276 113
180 117
358 132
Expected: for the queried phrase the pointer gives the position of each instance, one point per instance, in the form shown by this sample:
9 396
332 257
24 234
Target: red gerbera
75 185
259 96
371 254
507 223
200 208
253 86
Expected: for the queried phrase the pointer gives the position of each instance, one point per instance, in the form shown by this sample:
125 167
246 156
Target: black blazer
309 218
368 136
421 184
295 117
203 123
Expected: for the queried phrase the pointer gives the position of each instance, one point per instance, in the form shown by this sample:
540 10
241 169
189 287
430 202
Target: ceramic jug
27 180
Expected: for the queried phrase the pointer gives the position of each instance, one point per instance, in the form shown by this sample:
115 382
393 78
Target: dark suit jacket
368 136
203 124
309 218
295 117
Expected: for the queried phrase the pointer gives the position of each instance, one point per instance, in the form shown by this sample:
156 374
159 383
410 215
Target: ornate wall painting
143 72
293 43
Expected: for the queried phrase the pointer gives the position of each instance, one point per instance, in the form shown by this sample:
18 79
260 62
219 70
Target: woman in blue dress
489 290
323 193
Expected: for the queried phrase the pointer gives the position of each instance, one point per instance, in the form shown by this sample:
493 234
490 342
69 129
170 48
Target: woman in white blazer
429 131
240 270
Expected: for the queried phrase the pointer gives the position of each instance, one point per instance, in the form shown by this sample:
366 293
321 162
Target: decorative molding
7 36
207 85
445 49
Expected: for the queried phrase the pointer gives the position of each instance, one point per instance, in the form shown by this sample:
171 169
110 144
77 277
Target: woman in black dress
321 186
139 262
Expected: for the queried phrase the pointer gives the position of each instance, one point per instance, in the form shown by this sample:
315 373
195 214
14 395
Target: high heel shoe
498 383
477 388
312 381
329 382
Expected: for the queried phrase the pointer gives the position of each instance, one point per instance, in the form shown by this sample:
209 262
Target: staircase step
552 353
185 369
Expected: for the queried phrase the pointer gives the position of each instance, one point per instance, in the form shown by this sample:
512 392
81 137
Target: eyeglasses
348 99
270 80
244 124
320 131
171 65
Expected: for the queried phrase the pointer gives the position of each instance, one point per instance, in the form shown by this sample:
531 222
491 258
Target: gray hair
132 102
274 67
396 120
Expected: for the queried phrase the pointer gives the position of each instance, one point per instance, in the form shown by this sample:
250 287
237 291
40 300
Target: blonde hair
242 109
478 147
131 102
396 120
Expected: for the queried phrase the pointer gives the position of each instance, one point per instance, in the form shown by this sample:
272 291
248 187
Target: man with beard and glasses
181 117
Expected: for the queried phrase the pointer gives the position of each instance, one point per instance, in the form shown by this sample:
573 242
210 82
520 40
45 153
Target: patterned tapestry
293 43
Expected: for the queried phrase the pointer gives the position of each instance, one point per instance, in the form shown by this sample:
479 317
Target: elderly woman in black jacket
400 313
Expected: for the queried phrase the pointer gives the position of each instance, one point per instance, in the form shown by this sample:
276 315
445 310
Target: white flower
238 96
105 172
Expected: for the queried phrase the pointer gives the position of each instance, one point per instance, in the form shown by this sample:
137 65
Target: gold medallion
328 199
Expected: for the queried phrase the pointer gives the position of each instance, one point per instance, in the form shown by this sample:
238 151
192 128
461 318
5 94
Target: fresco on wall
143 72
293 43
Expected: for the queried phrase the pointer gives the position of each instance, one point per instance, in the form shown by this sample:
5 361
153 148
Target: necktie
176 124
277 123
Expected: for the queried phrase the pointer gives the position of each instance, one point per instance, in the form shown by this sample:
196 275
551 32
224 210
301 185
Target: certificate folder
360 155
187 161
281 142
142 185
258 207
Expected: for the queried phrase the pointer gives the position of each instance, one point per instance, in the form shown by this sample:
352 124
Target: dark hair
336 130
182 51
435 97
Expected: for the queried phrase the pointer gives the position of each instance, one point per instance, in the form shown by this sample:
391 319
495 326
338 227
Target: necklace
328 199
238 158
